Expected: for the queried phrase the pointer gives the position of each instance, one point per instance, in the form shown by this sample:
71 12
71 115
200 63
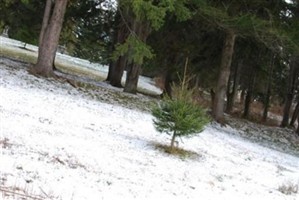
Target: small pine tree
179 116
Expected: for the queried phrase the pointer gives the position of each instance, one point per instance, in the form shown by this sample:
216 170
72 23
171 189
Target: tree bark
118 71
132 78
167 90
295 115
172 142
231 96
290 93
229 89
242 96
116 68
269 89
50 39
142 30
227 53
45 23
249 94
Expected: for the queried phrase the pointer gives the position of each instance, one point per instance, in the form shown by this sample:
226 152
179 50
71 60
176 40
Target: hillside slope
59 142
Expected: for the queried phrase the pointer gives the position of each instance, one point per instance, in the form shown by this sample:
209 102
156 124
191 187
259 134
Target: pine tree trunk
249 94
295 115
118 71
167 91
142 30
247 104
242 96
133 72
227 53
290 94
45 23
269 88
172 142
233 95
286 110
50 39
116 68
266 104
229 92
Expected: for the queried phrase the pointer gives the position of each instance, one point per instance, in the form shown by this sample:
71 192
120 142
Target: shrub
179 116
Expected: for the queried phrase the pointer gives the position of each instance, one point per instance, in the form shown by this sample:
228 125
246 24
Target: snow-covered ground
69 64
57 142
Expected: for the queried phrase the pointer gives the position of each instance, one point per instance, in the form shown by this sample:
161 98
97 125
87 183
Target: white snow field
57 142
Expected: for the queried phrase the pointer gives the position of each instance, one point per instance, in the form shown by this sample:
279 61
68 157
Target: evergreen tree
180 115
141 17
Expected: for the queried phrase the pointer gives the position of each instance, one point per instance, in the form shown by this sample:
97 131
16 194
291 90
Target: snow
76 66
57 142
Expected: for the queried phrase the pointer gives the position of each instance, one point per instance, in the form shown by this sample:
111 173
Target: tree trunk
116 68
295 115
118 71
231 96
249 94
212 93
242 96
142 30
172 142
50 39
132 78
227 53
45 23
229 90
267 103
247 104
269 88
167 91
290 94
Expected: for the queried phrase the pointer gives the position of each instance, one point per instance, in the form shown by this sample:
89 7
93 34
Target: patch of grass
19 54
289 188
4 143
178 152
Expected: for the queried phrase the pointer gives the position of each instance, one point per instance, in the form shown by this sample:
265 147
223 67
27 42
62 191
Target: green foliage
179 116
146 10
137 49
23 19
149 15
155 12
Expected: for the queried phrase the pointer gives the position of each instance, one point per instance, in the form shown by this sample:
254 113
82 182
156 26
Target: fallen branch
13 192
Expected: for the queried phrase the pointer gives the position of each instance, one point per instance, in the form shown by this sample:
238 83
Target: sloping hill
60 142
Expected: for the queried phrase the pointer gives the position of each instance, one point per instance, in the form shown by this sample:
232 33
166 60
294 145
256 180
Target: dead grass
178 152
18 193
4 143
288 188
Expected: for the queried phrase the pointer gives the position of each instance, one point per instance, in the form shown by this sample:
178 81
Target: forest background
239 52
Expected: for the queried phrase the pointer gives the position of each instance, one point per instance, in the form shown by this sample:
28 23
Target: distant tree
290 92
292 22
88 29
22 18
141 18
52 25
237 19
